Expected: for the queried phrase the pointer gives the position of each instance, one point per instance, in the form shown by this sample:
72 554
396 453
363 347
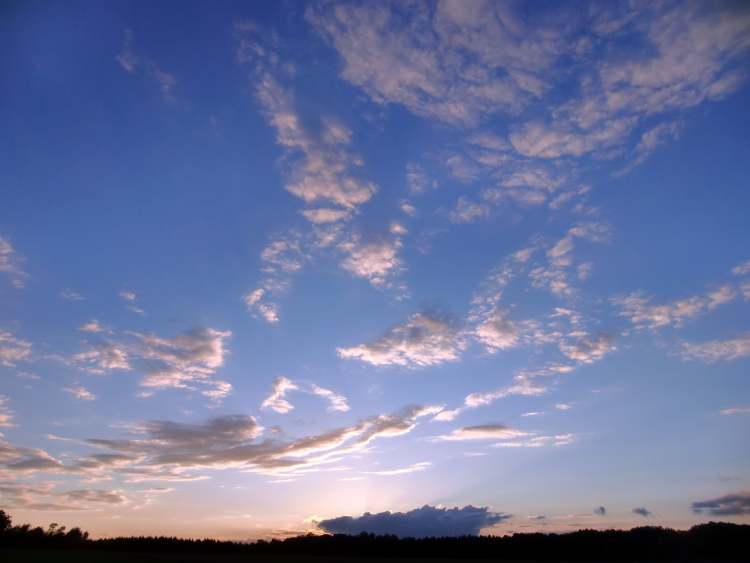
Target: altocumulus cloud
420 522
425 339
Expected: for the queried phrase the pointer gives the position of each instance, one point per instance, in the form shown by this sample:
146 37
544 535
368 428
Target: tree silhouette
711 541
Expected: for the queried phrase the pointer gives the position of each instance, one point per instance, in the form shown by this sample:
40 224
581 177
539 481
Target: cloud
496 331
6 414
375 261
337 403
588 350
102 357
44 497
425 339
276 401
554 276
455 63
69 295
129 296
13 349
322 170
642 512
522 387
93 326
132 64
742 269
735 410
127 59
538 441
427 521
417 180
80 392
636 307
10 264
717 350
483 432
467 211
735 504
283 255
413 468
257 304
169 449
325 215
190 358
600 511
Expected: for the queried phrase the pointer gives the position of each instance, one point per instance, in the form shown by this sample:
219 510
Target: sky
465 266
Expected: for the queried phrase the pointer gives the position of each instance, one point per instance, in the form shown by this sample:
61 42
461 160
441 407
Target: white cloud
184 361
637 308
283 255
322 169
13 349
129 296
735 410
170 450
483 432
586 350
6 415
742 269
93 326
467 211
453 64
325 215
417 180
423 340
413 468
10 264
337 403
376 261
80 392
538 441
102 357
276 401
257 304
717 350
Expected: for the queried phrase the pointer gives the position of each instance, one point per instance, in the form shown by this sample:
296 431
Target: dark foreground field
84 556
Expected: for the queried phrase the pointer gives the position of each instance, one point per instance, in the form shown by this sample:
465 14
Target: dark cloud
735 504
420 522
600 510
645 512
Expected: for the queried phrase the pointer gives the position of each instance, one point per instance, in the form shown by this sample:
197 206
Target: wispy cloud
717 350
10 264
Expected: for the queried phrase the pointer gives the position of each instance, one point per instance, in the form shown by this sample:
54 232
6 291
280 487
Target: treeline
706 541
26 536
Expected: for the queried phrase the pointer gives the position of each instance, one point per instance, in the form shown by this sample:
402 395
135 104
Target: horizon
285 267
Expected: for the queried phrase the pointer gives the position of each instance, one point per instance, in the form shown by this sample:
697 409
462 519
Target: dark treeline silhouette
711 541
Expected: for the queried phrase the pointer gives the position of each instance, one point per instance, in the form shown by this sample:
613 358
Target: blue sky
277 263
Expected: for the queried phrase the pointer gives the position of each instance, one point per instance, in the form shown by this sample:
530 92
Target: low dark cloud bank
642 511
736 504
420 522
